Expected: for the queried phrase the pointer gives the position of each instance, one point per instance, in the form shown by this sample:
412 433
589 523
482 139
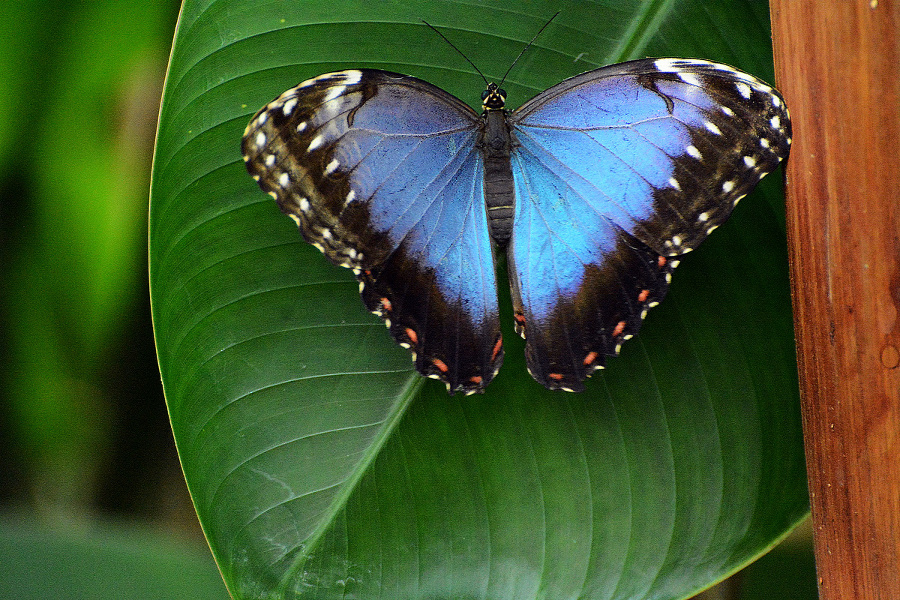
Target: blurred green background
92 500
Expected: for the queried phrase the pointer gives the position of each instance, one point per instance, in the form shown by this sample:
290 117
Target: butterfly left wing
381 173
617 172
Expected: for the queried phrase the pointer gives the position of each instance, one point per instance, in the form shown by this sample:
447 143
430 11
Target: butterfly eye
485 94
502 93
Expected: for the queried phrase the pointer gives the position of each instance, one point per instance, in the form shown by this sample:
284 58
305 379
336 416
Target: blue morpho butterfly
593 188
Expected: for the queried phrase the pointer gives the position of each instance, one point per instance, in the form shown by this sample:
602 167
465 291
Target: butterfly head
493 98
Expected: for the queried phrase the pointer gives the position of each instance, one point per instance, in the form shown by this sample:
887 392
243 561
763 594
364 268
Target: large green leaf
322 466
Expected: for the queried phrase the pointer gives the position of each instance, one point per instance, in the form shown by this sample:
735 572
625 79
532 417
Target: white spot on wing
284 180
334 92
693 152
260 139
712 127
670 64
743 89
329 109
727 186
315 143
352 76
690 78
332 167
289 106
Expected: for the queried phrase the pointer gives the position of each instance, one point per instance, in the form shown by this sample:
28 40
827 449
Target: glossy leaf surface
323 466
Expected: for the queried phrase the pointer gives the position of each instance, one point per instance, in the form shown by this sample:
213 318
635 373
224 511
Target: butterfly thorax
495 143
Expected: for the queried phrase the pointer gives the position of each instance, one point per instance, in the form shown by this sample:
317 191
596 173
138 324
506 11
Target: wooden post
838 66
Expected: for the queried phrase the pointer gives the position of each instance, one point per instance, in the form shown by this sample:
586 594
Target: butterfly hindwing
617 171
381 172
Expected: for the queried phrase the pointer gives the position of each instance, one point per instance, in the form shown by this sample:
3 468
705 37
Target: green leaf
322 466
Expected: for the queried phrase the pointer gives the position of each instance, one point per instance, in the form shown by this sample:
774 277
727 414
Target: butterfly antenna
525 48
477 70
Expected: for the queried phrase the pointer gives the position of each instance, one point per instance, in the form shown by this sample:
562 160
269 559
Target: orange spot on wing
661 261
497 348
555 376
620 327
520 318
412 336
386 304
590 358
642 297
475 379
441 365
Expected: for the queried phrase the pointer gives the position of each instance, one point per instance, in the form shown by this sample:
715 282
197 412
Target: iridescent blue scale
593 189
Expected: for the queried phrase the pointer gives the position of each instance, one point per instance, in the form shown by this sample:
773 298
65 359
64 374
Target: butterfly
593 189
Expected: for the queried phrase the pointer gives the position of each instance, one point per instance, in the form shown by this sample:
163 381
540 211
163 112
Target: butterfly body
592 189
499 193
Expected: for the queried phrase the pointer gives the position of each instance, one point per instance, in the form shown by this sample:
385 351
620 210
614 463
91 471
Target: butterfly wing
381 173
617 172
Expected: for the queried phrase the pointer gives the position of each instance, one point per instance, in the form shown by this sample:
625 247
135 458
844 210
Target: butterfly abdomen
499 195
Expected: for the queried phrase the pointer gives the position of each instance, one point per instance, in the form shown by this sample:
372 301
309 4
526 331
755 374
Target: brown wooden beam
838 66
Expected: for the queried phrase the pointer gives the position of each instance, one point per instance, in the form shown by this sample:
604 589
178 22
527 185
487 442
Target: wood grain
838 66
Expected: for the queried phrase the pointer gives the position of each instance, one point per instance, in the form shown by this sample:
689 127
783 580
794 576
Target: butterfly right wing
619 171
381 173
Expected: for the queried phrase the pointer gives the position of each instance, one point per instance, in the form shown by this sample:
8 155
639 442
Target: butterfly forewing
381 172
617 171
